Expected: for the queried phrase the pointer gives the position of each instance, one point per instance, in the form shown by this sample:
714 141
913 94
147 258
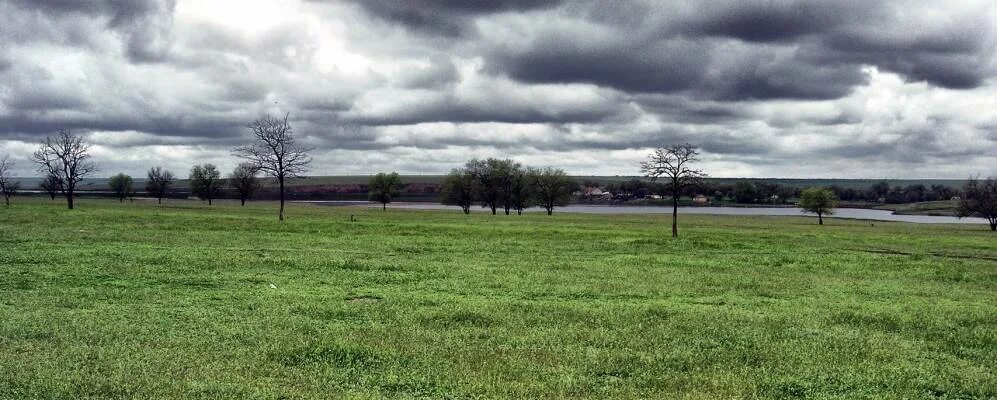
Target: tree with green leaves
819 201
121 185
459 188
504 174
979 199
673 165
521 190
158 182
244 180
206 182
486 188
383 187
551 187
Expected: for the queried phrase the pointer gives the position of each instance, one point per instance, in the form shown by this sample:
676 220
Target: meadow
135 300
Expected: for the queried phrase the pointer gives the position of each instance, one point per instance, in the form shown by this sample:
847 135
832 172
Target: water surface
850 213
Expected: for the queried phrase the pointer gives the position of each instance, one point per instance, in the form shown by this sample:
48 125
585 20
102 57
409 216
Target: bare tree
66 156
51 185
206 182
159 182
551 187
274 152
673 164
8 187
979 199
243 179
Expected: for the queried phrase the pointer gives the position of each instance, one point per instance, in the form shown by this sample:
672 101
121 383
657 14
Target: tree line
64 160
767 192
506 185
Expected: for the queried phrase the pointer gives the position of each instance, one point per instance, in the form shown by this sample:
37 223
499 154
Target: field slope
185 301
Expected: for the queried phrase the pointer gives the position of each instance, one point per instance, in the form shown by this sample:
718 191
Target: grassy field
135 300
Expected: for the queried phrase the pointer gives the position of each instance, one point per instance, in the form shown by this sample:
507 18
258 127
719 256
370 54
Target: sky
770 88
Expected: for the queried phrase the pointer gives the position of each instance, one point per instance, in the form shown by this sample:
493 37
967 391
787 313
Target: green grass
943 207
138 301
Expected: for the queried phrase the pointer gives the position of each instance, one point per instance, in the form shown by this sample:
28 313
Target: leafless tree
66 156
7 185
672 163
244 181
274 152
979 199
159 182
51 185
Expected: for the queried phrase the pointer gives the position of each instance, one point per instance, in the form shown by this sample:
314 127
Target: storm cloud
851 88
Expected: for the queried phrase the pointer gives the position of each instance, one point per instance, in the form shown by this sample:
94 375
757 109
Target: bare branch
274 151
671 163
65 156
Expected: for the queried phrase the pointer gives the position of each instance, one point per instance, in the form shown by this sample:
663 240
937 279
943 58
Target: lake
850 213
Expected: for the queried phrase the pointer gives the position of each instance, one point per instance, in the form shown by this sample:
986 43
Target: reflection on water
851 213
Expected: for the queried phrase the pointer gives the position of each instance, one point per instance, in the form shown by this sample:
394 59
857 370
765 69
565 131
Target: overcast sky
842 88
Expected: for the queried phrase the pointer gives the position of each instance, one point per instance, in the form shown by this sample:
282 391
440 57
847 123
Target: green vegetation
384 187
943 208
819 201
135 300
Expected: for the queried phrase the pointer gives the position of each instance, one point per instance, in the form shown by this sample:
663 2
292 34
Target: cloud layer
899 88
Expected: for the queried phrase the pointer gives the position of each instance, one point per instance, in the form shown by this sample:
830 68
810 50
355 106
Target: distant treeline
762 191
428 187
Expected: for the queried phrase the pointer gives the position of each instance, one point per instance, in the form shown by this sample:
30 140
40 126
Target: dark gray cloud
142 25
789 49
763 86
446 17
767 21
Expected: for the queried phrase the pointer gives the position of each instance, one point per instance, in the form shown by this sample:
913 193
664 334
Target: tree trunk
209 201
384 206
820 219
675 213
69 198
160 198
281 180
993 224
550 210
243 201
493 209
